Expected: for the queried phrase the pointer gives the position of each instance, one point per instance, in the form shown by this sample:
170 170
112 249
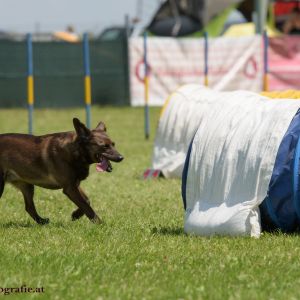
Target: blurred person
292 24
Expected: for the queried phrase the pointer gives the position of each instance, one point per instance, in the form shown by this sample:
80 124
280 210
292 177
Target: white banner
233 64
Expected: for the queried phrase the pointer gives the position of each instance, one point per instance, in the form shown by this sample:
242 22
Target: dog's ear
101 127
81 130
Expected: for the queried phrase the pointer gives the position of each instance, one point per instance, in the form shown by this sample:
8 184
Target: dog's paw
42 221
76 214
97 220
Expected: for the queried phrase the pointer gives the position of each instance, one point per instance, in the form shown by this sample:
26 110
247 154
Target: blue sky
51 15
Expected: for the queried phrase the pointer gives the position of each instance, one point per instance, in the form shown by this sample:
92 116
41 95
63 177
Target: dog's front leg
78 213
75 196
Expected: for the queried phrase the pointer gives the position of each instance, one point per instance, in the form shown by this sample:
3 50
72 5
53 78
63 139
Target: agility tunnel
180 118
181 115
288 94
241 172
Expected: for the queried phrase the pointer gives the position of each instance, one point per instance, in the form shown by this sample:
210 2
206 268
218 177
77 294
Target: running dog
56 161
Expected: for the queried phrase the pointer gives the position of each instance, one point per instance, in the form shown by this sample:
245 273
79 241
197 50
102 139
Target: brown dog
56 161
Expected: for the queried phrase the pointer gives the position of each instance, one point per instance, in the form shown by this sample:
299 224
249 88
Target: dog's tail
1 183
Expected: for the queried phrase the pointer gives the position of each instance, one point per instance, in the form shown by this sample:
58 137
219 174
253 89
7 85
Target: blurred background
175 30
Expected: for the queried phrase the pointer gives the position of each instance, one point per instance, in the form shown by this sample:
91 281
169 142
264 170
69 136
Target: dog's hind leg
2 182
78 213
28 192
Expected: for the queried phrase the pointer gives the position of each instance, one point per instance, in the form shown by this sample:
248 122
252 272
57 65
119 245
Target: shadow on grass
168 230
28 224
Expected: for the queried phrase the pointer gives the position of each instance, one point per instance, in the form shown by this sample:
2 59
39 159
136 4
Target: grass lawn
141 252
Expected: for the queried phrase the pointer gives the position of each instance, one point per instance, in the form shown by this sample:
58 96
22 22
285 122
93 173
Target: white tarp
234 63
231 162
178 123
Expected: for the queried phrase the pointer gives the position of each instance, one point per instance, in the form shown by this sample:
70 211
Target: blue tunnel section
281 207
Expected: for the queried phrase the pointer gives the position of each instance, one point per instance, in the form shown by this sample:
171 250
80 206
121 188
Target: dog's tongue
101 167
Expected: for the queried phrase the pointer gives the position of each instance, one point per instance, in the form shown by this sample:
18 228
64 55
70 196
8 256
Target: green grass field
141 252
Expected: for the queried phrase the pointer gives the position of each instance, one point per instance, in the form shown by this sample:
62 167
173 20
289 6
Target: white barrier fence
234 64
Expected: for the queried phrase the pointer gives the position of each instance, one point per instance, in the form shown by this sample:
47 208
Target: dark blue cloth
279 202
185 172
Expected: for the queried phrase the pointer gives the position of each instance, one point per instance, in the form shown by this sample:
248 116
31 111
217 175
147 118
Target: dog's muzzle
103 164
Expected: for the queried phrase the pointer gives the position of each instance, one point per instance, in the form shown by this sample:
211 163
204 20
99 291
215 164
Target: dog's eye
106 146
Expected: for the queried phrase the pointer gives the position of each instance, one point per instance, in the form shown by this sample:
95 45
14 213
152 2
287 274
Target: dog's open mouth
103 165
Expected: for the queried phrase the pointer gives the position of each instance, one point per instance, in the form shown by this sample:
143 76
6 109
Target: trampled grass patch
141 252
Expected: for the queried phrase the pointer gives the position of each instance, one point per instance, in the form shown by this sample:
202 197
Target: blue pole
30 119
87 79
146 86
30 83
205 58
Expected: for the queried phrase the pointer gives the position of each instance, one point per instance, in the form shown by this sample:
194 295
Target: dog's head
97 145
